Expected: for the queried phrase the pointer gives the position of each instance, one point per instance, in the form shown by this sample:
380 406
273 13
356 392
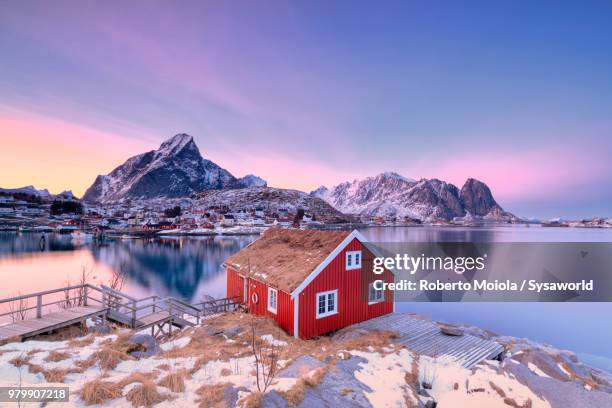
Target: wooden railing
219 305
75 295
122 304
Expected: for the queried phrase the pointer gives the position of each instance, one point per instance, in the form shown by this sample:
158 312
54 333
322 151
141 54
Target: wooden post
38 306
133 314
85 296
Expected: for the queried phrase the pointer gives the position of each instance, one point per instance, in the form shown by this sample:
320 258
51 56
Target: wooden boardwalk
50 322
425 337
79 303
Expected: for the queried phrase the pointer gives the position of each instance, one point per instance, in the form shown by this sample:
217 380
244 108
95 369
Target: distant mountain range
42 194
176 169
392 195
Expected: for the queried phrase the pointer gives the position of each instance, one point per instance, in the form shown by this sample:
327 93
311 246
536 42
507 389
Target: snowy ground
216 367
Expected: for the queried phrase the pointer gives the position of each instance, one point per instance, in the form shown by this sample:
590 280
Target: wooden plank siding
352 286
284 310
235 284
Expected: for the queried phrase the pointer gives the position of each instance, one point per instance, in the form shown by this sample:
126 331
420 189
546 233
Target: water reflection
182 267
190 267
172 266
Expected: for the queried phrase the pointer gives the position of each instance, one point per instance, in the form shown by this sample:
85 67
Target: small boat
80 237
65 229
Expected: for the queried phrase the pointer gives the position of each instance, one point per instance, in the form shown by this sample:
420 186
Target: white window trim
326 313
270 308
373 302
352 255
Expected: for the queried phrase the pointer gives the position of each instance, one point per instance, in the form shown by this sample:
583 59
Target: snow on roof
284 258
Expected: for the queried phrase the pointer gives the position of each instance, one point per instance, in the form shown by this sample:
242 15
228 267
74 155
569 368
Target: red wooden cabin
311 282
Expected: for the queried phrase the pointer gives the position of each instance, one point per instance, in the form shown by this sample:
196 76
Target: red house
310 282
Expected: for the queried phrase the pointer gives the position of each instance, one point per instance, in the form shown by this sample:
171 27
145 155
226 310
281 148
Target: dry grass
145 395
295 395
14 339
138 377
19 361
98 392
174 381
81 342
253 400
65 333
286 256
211 396
412 382
55 375
511 402
34 351
55 356
108 359
110 354
164 367
226 372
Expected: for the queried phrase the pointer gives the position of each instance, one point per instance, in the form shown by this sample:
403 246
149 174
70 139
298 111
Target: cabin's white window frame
352 260
326 303
379 295
272 294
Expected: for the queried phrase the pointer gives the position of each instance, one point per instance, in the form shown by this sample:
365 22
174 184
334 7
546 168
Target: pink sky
59 155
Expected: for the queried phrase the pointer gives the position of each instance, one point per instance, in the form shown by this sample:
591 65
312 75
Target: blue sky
516 94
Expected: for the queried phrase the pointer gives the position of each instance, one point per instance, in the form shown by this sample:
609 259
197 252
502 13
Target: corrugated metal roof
425 337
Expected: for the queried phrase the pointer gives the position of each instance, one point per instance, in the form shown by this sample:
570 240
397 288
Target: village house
228 220
310 282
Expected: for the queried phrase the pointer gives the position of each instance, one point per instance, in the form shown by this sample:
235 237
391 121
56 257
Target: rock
145 346
101 329
231 394
232 331
299 366
273 399
431 404
451 330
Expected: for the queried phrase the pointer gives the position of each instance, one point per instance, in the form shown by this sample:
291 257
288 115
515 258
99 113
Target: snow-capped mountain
176 169
28 190
252 181
392 195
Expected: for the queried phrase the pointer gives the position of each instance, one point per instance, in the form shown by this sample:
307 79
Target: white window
272 300
375 295
353 260
327 303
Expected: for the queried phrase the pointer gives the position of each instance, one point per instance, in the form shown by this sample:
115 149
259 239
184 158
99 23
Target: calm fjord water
191 267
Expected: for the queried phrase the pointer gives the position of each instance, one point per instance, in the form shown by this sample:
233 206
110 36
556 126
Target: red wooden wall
284 307
235 284
352 289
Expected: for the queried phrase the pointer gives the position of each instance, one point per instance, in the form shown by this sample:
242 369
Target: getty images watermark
494 271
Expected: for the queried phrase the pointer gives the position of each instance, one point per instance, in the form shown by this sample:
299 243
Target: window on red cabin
327 303
272 300
353 260
375 295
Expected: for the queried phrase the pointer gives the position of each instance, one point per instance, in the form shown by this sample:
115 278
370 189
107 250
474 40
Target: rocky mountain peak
477 198
175 144
176 169
389 194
